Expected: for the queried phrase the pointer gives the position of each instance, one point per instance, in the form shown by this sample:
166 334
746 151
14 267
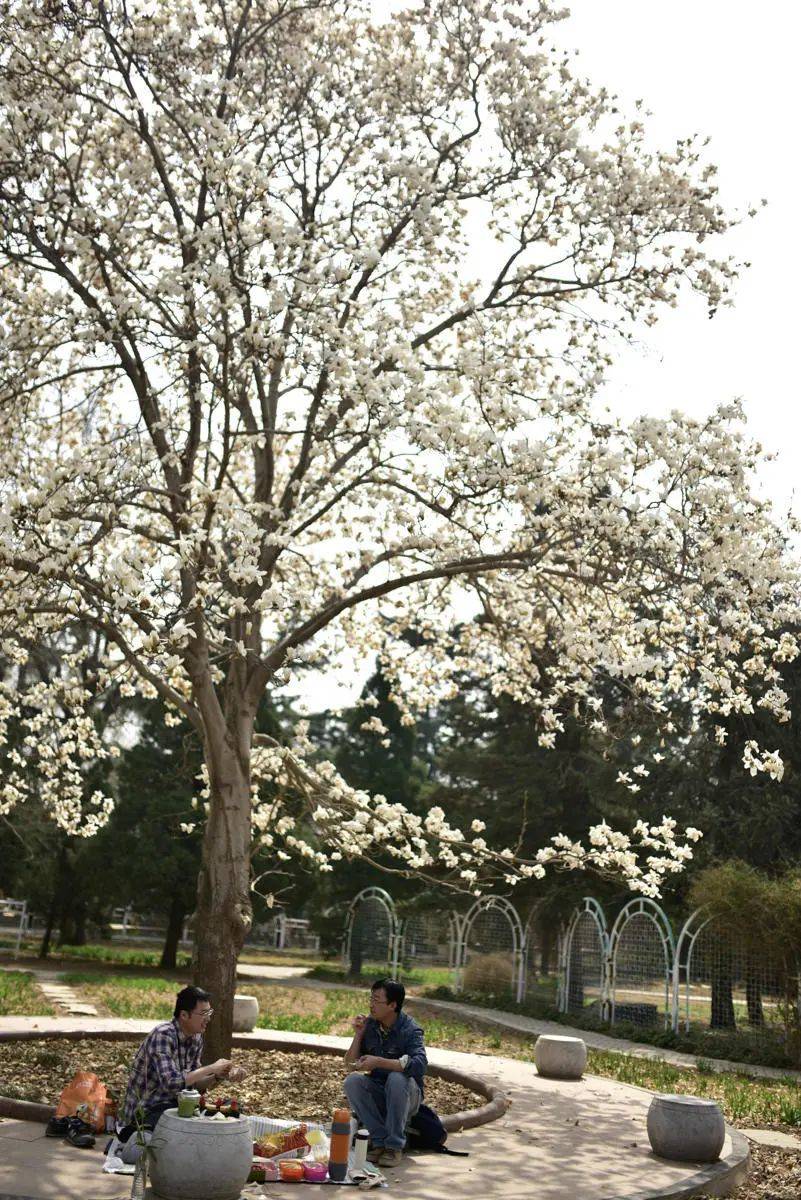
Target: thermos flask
360 1149
340 1145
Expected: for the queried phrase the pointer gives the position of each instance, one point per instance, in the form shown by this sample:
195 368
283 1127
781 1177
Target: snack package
287 1142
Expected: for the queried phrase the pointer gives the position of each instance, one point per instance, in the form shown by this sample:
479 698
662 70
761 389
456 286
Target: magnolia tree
265 405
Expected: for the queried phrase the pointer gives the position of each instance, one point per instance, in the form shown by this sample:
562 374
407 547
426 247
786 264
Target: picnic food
291 1170
281 1143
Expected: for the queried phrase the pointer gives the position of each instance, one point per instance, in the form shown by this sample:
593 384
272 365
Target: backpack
426 1132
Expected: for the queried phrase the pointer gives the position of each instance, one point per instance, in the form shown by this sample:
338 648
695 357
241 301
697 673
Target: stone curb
496 1106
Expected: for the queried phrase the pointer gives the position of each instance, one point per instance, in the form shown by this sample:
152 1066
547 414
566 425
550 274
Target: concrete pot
560 1057
200 1159
246 1013
685 1128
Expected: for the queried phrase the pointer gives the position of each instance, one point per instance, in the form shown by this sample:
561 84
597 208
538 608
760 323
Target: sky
728 71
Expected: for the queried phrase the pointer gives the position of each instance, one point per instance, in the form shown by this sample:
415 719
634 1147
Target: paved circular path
558 1141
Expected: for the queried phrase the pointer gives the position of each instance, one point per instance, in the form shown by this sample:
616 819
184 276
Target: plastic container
291 1170
315 1172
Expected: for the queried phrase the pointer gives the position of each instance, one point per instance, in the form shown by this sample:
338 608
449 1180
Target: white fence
14 921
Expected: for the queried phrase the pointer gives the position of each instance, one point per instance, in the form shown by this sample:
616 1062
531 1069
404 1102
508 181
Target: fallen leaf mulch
278 1084
775 1175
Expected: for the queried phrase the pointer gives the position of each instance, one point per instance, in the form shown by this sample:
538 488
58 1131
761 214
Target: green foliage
761 911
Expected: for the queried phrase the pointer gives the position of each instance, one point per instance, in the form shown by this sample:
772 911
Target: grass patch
424 977
140 997
20 996
280 958
131 956
743 1099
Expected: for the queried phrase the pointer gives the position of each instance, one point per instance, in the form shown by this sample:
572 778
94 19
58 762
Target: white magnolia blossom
347 822
260 406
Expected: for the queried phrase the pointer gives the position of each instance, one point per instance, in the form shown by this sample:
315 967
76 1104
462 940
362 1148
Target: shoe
374 1153
57 1127
80 1134
389 1157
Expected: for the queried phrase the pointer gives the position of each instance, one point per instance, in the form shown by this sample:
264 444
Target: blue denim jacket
404 1037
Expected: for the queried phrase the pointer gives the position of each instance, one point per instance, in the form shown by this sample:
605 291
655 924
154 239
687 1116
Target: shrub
491 973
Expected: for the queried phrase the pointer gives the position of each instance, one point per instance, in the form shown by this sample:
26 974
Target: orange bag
84 1096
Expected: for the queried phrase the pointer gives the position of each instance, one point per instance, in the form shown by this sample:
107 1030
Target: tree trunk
44 948
79 938
175 924
224 915
753 995
356 955
55 901
722 1016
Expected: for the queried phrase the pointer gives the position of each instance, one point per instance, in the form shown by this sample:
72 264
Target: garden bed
281 1084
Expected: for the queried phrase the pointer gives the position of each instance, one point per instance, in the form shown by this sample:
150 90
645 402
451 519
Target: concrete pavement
559 1140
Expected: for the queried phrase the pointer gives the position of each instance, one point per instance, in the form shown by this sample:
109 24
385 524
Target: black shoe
57 1127
80 1134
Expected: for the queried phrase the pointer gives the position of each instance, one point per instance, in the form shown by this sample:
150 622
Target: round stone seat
200 1159
246 1013
685 1128
560 1057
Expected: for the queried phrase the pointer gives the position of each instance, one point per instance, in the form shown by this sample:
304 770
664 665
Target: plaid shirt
160 1067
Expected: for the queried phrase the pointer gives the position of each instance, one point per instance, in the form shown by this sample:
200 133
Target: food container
291 1170
315 1172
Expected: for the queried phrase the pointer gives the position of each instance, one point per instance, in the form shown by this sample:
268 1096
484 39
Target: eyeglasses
206 1013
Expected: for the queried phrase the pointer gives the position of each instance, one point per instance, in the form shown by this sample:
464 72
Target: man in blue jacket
388 1048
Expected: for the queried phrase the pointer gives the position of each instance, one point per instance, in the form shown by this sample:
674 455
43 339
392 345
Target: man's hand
359 1023
237 1074
368 1062
222 1067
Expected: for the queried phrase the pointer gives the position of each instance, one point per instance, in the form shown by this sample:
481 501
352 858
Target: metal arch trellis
585 957
727 982
484 911
455 927
542 955
426 939
641 961
682 959
376 905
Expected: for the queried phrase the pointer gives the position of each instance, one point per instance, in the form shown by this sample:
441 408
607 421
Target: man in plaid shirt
169 1060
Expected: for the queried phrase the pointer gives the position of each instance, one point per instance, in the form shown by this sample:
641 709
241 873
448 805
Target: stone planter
685 1128
246 1013
197 1159
560 1057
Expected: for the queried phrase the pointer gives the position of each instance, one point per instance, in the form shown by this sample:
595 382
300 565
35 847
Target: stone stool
685 1128
560 1057
246 1013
